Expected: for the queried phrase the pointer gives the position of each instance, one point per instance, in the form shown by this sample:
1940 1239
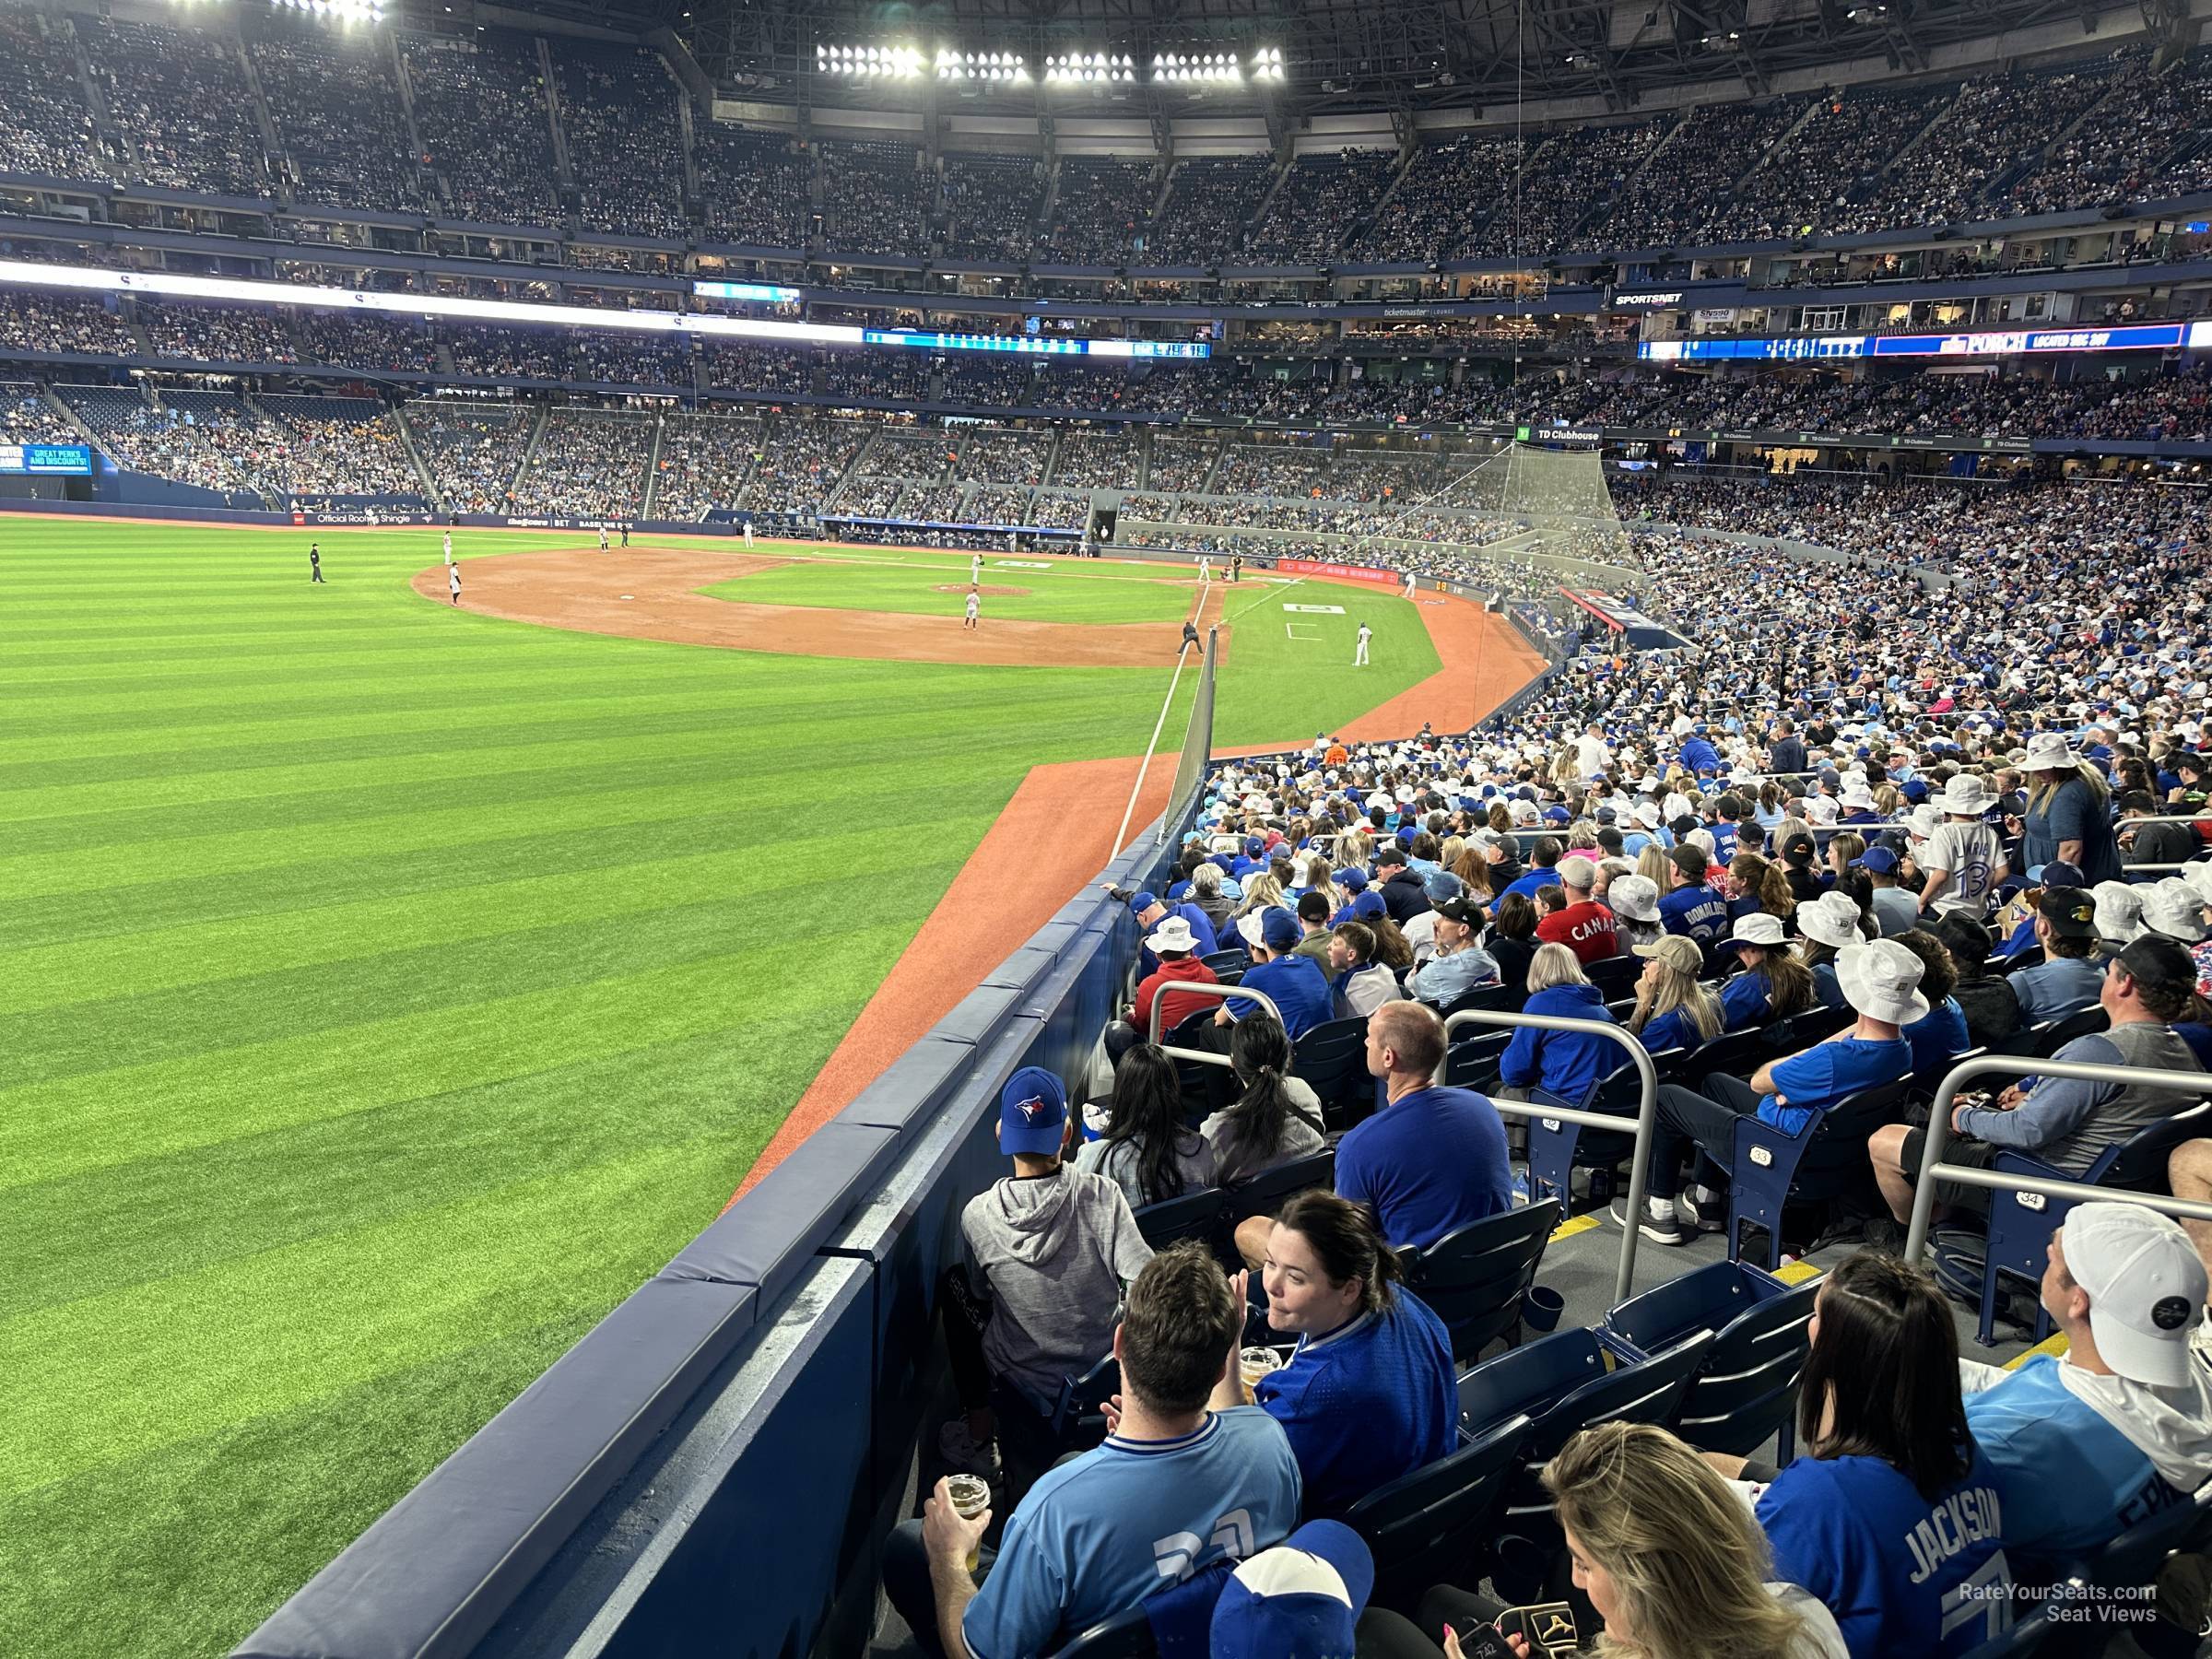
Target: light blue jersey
1098 1535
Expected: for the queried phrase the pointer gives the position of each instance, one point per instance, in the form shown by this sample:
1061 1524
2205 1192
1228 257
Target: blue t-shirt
2069 1479
1938 1038
1566 1064
1828 990
1906 1578
1700 756
1298 987
1366 1404
1099 1534
1671 1030
1825 1073
1744 1001
1543 876
2055 987
1427 1164
1696 913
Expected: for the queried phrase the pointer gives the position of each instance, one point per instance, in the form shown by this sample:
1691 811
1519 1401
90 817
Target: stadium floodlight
1267 64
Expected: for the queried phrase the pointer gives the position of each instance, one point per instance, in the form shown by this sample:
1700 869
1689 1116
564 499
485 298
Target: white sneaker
961 1450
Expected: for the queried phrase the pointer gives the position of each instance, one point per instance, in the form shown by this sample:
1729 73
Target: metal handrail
1646 1109
1932 1170
1223 993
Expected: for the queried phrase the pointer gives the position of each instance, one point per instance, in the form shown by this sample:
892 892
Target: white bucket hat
2119 909
1174 933
1758 928
1831 919
2199 876
1821 810
1635 896
1965 794
1857 797
1881 979
2174 908
2047 752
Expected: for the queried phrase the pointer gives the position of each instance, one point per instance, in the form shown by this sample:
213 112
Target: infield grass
386 991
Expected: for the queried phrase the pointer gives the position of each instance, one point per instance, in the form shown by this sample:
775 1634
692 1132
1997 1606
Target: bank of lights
1267 64
1088 67
346 11
982 66
1196 67
891 62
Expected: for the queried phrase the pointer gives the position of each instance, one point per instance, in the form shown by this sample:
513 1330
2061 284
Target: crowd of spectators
2118 149
1321 200
180 97
757 188
1001 457
703 463
1448 190
801 467
473 450
625 144
1210 201
1099 211
30 321
339 118
216 334
511 353
209 440
752 367
395 345
27 417
1685 196
879 195
621 357
588 463
900 377
482 115
989 204
340 446
1089 460
46 130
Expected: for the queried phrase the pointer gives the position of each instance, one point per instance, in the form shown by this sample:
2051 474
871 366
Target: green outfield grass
385 991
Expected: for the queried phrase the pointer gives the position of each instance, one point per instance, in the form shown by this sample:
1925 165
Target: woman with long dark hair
1148 1150
1369 1393
1274 1119
1774 985
1890 1514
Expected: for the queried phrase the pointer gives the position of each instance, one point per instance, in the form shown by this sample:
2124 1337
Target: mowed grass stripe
393 990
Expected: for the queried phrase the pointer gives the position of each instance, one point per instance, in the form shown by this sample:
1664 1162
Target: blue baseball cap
1364 904
1301 1600
1279 929
1143 902
1032 1113
1881 860
1557 815
1352 881
1255 843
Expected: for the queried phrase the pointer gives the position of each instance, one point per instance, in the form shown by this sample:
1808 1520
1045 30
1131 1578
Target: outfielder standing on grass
453 579
1359 655
314 561
975 609
975 568
449 546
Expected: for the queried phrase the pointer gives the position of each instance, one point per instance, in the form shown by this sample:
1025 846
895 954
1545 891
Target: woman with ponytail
1276 1119
1754 884
1369 1393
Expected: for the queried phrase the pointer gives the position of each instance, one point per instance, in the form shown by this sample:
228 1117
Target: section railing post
1647 1107
1933 1170
1220 994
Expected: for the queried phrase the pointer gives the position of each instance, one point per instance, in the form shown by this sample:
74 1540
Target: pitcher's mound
986 591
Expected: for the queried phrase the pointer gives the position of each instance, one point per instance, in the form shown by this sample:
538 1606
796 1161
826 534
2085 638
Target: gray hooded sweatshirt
1054 1251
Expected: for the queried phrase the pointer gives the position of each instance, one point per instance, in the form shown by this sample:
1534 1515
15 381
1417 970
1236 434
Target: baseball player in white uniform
602 538
1409 584
748 533
449 546
1206 568
975 568
1359 655
452 581
975 609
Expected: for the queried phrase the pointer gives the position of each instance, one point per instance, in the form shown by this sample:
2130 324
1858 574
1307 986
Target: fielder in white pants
1359 655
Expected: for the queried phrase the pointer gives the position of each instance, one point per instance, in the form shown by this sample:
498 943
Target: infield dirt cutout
652 593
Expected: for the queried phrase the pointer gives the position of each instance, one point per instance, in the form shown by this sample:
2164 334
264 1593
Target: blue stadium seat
1472 1062
1746 1390
1825 1158
1076 1421
1265 1193
1425 1527
1126 1635
2020 1224
1615 975
1475 1278
1557 1147
1192 1216
1332 1061
1563 1383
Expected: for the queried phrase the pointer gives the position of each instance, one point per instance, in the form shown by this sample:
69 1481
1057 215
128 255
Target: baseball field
388 987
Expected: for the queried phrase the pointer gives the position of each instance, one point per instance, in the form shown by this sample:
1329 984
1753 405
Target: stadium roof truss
1343 54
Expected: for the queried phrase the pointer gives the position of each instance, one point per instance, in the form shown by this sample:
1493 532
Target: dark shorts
1959 1149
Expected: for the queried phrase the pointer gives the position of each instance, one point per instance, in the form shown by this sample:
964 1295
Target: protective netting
1559 494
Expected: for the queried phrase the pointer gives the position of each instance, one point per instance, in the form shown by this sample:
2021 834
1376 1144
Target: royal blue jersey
1427 1164
1906 1577
1696 913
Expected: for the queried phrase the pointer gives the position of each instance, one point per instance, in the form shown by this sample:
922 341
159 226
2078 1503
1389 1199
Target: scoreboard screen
19 458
